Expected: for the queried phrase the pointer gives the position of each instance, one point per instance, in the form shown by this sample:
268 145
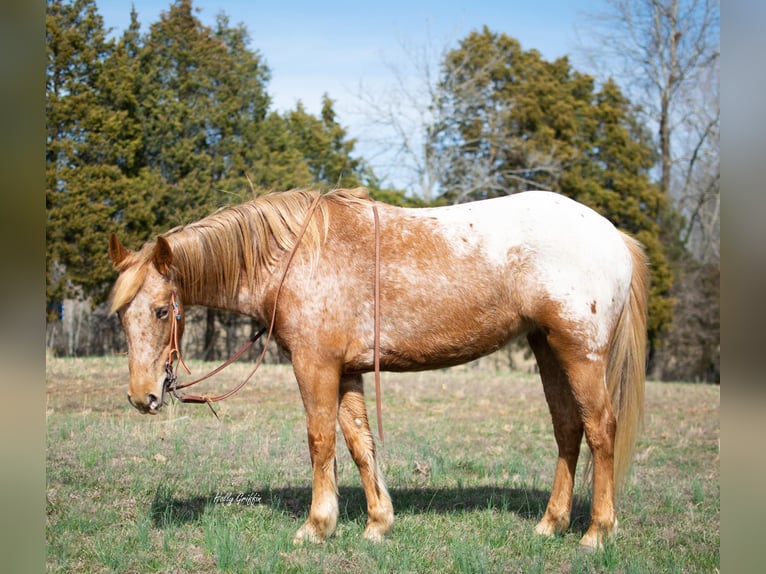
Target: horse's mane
213 255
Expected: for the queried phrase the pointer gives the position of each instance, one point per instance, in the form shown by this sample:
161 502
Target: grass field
469 458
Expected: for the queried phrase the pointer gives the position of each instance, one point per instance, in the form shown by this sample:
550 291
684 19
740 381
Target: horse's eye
161 313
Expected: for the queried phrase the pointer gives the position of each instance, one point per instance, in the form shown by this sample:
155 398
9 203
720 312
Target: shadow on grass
169 510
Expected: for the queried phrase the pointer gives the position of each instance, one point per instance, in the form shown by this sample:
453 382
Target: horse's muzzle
150 406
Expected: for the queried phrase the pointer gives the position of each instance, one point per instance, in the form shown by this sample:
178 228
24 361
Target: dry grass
469 456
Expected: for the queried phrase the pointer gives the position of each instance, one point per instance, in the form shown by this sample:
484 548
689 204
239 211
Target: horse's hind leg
577 395
319 390
568 430
352 415
587 379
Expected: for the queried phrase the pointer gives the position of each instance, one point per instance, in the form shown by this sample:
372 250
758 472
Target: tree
323 145
182 71
96 183
81 182
203 96
399 119
280 164
692 343
241 106
508 119
666 53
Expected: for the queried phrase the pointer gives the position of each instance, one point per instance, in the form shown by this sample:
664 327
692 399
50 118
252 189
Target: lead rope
376 340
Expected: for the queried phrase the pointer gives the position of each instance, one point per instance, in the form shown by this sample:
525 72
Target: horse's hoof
586 549
307 533
552 528
594 539
373 534
545 530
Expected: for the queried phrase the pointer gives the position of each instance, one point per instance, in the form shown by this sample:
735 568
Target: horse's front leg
319 389
356 430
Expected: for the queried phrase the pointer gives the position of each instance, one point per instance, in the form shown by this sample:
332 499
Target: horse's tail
626 363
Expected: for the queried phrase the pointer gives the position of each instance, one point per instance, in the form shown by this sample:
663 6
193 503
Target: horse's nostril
131 401
153 402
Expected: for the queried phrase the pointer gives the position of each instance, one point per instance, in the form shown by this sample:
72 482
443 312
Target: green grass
468 459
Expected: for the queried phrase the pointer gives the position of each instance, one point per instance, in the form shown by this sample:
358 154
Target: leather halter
171 380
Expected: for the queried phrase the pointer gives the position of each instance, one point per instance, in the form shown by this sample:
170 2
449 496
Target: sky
346 48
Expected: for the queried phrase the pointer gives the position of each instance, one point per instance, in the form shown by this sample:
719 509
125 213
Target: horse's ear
117 252
163 256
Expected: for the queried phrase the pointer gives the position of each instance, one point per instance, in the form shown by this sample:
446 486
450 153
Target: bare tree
697 190
665 54
416 113
400 116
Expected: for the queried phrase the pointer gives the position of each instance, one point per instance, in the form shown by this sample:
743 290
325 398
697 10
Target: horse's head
143 297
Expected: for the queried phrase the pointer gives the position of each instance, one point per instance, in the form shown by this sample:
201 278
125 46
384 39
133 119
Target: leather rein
171 379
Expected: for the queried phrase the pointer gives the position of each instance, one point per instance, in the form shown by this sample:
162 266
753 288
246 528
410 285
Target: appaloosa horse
455 283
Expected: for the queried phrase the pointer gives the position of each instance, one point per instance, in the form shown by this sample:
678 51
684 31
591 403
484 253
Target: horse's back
535 220
543 256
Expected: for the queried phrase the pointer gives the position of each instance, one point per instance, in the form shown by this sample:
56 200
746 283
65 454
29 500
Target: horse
405 289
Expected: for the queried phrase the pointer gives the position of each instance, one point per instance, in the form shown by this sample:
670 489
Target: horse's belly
440 339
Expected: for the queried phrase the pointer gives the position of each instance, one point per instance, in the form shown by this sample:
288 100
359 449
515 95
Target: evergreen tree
241 106
182 66
323 145
80 179
134 214
280 164
508 120
97 180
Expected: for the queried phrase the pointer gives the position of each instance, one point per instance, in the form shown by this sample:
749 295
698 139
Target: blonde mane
240 242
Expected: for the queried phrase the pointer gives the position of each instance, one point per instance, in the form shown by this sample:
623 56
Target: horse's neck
249 291
245 301
196 287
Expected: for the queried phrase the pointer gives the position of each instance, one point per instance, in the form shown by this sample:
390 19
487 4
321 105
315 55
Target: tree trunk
211 335
669 81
